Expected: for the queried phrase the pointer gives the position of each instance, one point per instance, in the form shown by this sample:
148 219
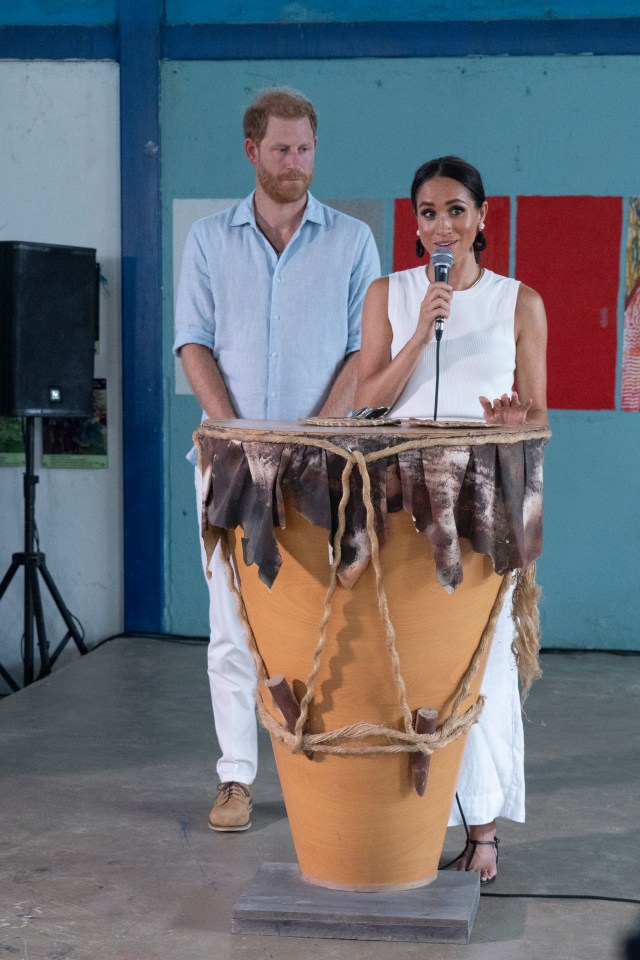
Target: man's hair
283 102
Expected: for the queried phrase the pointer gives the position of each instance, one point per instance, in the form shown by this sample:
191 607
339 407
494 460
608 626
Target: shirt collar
314 212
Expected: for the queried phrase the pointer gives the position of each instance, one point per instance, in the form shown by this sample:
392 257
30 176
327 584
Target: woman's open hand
505 409
436 304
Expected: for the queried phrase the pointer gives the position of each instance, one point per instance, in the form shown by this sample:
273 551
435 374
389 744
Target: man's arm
206 381
195 330
340 399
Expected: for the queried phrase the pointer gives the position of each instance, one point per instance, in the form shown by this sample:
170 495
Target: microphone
442 260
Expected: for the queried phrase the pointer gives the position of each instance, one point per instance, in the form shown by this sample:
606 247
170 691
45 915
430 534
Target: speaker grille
48 325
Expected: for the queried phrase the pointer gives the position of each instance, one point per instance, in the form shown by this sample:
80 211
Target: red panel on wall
498 234
568 249
495 257
404 236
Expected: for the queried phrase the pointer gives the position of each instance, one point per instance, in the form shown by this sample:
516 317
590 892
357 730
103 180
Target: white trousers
491 781
232 674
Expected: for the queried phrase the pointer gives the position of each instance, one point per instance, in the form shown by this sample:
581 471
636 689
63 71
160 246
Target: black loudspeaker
48 328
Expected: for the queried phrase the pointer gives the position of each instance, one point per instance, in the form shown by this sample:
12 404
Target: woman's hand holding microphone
436 305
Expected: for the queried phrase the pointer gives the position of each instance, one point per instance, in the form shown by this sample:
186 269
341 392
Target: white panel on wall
60 171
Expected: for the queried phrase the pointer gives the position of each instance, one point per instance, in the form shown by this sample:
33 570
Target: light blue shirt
279 327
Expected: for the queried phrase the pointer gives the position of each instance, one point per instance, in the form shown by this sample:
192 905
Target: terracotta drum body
452 518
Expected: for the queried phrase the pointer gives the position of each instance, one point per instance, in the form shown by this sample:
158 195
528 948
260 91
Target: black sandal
476 843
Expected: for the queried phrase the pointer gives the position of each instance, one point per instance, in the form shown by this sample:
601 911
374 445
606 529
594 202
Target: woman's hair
454 169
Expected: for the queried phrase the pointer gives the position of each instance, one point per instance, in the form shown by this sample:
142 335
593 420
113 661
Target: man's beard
283 189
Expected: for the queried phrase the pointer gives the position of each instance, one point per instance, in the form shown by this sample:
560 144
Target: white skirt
491 781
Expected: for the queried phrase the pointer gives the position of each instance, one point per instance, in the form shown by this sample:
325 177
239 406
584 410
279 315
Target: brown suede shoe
232 809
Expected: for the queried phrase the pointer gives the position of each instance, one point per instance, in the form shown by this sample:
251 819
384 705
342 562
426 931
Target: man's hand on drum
436 304
505 409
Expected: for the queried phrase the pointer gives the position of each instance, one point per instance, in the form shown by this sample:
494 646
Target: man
268 327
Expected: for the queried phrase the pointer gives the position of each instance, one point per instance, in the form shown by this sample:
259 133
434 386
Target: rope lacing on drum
339 741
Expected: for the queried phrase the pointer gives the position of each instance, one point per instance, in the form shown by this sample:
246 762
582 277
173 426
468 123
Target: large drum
372 563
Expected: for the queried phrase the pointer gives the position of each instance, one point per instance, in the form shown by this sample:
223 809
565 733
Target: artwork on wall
78 443
11 442
631 337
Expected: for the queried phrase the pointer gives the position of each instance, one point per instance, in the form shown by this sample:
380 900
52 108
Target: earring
482 225
419 246
480 242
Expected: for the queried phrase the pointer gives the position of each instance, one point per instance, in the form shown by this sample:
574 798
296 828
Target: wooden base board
279 903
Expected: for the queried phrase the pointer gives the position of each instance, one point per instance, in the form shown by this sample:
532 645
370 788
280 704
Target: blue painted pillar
139 25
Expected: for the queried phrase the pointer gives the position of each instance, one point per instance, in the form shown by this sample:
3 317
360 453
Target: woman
494 334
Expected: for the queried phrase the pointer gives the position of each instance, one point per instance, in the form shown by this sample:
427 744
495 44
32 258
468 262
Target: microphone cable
439 329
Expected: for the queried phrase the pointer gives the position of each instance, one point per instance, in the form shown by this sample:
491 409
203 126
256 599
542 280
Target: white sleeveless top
477 350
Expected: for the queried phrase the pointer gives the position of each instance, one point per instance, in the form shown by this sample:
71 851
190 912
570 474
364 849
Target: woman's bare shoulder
377 296
529 298
530 315
379 286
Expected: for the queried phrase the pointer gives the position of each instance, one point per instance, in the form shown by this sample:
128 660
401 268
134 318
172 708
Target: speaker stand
34 563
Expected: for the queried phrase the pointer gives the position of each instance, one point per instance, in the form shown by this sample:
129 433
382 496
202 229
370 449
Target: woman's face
448 216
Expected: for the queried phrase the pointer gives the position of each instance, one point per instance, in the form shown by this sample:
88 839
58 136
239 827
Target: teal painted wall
532 126
269 11
87 12
589 565
56 12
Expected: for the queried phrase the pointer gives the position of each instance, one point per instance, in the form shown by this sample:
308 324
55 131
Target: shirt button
274 355
276 316
277 279
273 396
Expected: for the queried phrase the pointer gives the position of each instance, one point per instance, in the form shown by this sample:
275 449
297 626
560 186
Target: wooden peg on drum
287 703
424 721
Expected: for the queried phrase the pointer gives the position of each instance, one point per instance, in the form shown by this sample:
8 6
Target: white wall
60 176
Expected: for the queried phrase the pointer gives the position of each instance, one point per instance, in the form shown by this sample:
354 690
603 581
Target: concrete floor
107 776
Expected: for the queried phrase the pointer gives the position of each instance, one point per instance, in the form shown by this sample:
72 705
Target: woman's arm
531 367
381 380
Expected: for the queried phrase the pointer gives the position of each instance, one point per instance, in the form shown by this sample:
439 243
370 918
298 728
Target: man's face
284 158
